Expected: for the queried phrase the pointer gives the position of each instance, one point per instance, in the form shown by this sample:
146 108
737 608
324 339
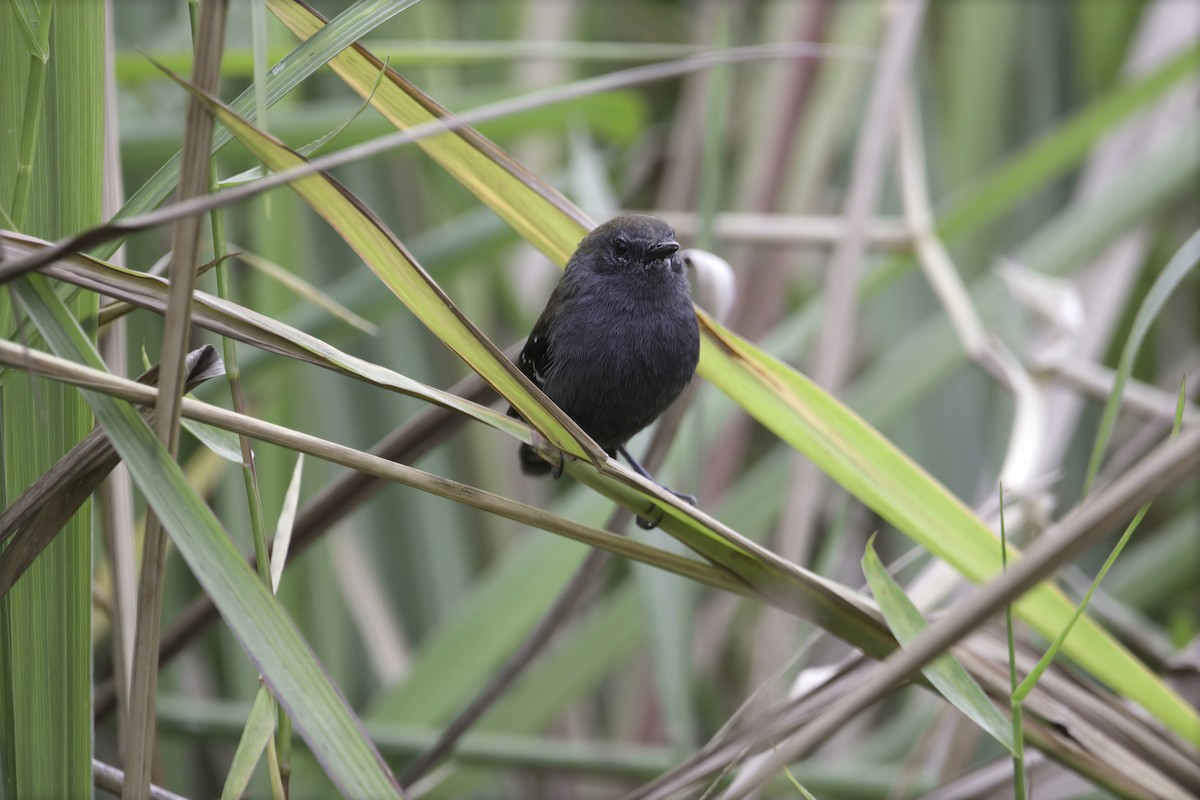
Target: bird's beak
663 250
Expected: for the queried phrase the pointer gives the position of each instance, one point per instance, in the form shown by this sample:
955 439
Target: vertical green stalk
233 372
35 93
1018 733
194 179
51 89
249 476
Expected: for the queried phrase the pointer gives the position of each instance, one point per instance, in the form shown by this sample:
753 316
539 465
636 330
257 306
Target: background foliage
1060 135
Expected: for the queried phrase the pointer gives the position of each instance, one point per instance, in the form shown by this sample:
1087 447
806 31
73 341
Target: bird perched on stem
618 339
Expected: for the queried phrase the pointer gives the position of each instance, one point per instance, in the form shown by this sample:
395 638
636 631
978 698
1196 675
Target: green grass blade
222 443
230 319
51 110
260 727
539 214
1022 691
1164 285
1018 726
945 673
1068 144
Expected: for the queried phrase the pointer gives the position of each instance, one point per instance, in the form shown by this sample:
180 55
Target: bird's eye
621 248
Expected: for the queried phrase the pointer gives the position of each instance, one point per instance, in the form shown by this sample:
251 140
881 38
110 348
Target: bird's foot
643 521
647 524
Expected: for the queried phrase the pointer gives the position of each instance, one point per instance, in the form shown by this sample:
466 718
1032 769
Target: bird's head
632 243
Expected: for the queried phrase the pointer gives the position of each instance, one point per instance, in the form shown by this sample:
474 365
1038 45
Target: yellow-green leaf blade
230 319
400 272
843 445
876 472
538 213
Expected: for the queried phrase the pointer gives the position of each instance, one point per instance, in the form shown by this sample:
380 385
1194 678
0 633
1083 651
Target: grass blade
230 319
283 529
51 171
1167 281
945 673
260 727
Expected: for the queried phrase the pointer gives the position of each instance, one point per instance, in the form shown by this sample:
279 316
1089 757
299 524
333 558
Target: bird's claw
557 463
648 524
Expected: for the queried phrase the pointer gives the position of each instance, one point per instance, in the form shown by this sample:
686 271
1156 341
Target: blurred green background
1042 122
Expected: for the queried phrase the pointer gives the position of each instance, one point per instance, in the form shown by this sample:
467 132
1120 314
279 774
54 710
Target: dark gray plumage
618 340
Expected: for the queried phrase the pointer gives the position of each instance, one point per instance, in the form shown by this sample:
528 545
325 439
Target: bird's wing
535 357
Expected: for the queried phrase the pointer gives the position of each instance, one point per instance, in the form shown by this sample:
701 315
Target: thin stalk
233 373
258 528
258 35
115 496
185 239
35 96
112 780
1018 729
279 751
1022 691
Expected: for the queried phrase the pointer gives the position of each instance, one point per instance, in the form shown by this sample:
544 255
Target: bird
618 339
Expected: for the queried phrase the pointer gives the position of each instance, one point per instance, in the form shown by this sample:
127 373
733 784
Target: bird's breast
622 361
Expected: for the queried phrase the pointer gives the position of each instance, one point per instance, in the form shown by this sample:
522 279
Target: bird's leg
636 466
645 473
556 469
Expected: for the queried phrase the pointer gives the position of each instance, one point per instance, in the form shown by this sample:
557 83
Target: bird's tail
531 462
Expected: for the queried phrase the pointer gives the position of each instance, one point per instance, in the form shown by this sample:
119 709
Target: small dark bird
618 339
